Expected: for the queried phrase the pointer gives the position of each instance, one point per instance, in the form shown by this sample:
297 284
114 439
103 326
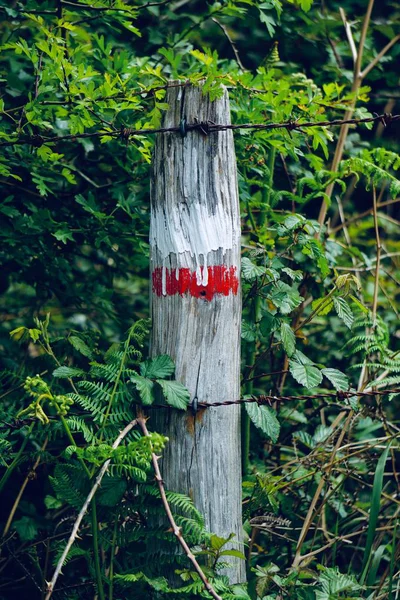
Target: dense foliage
320 295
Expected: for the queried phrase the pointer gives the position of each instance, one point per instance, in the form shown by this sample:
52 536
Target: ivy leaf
250 270
65 372
339 380
344 311
145 388
307 375
175 393
160 367
265 419
288 339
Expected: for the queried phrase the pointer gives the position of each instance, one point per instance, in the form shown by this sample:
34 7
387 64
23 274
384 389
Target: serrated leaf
359 304
80 345
265 419
65 372
322 306
233 552
307 375
302 358
268 324
162 366
291 414
344 311
288 338
175 393
248 332
296 275
285 297
145 387
250 270
217 542
339 380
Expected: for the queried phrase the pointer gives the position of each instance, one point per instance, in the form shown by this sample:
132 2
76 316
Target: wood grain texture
195 224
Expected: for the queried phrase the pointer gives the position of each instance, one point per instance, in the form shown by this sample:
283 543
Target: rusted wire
270 399
204 127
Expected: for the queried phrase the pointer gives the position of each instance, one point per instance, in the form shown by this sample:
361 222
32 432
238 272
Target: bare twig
310 514
75 529
349 35
378 57
27 479
357 81
141 420
378 256
230 40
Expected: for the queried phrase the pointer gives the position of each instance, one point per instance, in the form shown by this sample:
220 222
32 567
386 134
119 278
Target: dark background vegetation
74 243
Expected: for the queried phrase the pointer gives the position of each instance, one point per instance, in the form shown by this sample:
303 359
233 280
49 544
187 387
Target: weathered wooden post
196 307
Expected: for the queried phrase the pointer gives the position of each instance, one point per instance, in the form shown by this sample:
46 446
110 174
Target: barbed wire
204 127
270 399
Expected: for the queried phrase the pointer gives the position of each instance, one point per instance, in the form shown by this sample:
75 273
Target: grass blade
374 511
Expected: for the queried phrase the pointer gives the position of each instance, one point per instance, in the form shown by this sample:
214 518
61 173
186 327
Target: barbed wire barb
205 128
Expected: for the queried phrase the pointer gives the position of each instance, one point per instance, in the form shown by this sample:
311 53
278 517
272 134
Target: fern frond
78 424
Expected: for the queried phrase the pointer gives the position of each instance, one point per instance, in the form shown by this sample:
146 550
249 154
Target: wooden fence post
196 307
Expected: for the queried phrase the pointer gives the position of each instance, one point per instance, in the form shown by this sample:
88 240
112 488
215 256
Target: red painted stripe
221 280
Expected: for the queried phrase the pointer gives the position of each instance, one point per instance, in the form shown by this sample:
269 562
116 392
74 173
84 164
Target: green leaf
62 235
339 380
80 345
66 372
233 552
269 323
269 22
34 334
307 375
175 393
217 542
112 490
250 270
344 311
51 502
302 358
322 306
285 297
145 387
288 339
265 419
27 528
162 366
248 332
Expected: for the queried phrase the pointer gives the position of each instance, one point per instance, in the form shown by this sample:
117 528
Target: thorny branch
75 529
176 530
